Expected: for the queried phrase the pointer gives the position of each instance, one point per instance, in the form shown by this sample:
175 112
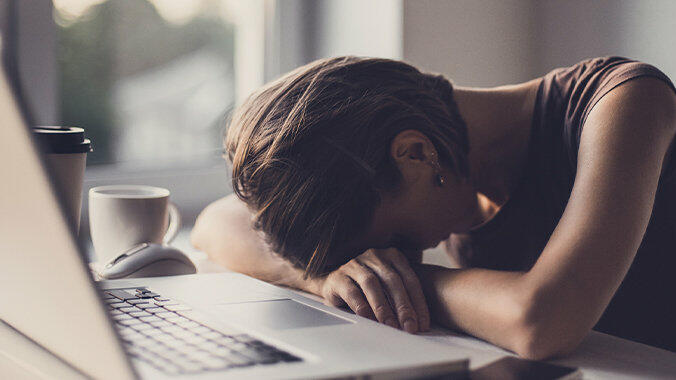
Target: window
149 80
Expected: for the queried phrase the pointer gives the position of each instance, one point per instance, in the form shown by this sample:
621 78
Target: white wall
576 29
492 42
474 42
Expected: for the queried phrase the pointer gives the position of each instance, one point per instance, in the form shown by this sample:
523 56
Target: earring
439 179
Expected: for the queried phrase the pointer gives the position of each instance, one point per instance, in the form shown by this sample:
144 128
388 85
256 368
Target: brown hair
310 150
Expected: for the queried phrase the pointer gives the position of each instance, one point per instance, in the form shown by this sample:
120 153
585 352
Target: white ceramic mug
123 216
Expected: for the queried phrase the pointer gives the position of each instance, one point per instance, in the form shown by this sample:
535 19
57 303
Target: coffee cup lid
62 140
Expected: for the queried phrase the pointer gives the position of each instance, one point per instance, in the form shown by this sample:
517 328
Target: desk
600 356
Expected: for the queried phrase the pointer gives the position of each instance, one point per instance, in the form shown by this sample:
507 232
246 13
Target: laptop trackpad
278 314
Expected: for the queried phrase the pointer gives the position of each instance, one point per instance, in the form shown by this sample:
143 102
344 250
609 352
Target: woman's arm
224 231
380 287
550 309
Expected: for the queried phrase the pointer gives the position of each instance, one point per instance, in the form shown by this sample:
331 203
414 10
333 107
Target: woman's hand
379 285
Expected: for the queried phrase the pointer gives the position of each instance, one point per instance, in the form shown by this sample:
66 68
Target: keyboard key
187 324
153 332
188 337
164 303
141 326
129 322
162 299
213 335
137 301
224 340
208 346
119 305
184 348
189 366
129 309
155 310
214 363
122 294
166 315
176 344
140 314
237 346
171 369
112 300
177 319
159 348
201 330
192 338
114 312
160 323
145 305
147 295
151 318
131 335
145 342
121 317
243 338
165 337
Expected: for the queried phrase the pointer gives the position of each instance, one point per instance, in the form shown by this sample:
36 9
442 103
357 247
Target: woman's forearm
223 231
485 303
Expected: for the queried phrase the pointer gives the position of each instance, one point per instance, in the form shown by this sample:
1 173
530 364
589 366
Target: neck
498 125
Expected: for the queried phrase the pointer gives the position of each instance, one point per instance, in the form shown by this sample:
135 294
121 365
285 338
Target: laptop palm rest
279 314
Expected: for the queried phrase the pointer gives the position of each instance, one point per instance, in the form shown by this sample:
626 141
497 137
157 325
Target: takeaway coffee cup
124 216
65 150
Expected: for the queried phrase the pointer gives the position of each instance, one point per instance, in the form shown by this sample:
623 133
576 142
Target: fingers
375 295
345 291
414 289
393 284
380 285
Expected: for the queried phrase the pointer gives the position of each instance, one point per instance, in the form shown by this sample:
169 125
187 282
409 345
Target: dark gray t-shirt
642 309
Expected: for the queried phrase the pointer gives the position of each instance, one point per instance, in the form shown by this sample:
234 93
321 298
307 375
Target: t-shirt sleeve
588 82
621 73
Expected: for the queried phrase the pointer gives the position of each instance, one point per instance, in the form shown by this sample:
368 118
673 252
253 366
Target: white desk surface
600 356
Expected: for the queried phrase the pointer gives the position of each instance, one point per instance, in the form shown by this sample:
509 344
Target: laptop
206 326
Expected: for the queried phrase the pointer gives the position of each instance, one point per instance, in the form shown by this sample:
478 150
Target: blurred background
152 81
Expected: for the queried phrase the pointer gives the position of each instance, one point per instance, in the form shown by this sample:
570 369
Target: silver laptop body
259 330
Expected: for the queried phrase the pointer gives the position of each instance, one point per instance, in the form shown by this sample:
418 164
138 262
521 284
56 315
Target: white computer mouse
148 260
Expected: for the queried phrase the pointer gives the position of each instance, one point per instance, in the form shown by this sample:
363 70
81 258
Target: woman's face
419 213
422 214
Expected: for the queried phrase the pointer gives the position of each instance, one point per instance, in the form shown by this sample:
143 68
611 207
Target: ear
413 153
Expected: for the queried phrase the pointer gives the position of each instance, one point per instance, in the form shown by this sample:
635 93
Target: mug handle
174 224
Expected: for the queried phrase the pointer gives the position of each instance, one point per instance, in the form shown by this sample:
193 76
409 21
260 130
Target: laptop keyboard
154 330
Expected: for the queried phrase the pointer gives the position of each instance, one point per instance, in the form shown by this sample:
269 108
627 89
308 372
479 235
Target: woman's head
318 154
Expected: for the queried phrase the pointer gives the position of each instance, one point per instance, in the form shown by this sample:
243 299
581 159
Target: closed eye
402 242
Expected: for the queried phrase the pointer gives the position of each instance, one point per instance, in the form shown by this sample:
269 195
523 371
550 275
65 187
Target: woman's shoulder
599 75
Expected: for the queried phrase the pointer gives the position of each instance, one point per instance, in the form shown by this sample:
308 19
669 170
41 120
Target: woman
555 198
